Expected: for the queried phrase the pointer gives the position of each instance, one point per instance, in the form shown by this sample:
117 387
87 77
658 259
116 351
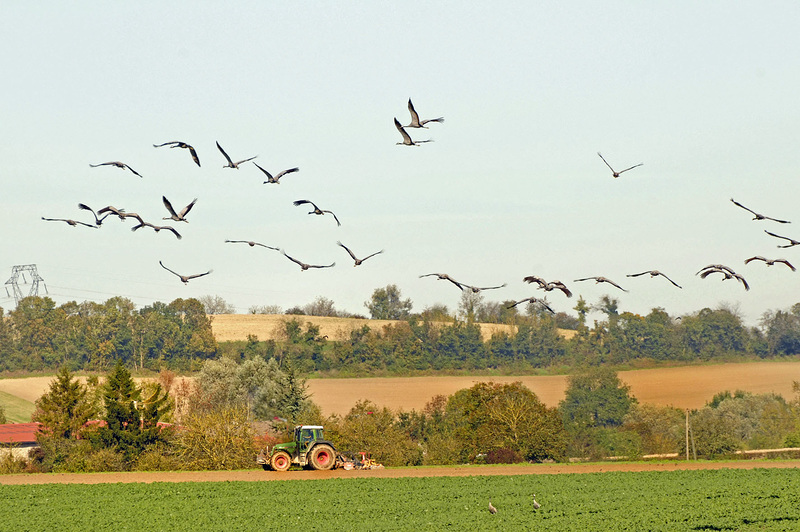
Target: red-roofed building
19 438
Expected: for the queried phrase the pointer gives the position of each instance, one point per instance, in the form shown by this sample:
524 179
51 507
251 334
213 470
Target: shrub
217 439
10 464
158 458
108 459
503 455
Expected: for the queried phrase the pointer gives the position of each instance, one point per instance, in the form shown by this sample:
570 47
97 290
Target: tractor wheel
281 461
323 457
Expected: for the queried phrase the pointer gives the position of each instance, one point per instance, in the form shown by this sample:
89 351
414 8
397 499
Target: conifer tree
65 408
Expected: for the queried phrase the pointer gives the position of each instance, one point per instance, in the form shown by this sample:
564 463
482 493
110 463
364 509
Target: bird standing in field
185 278
232 164
276 180
614 172
353 256
770 262
415 121
444 277
118 165
406 137
492 509
316 210
303 265
179 144
251 244
536 505
792 241
178 217
600 279
73 223
654 273
757 216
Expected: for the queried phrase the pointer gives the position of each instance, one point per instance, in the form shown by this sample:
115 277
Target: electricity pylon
19 271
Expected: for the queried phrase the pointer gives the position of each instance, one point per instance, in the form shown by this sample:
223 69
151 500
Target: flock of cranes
175 216
726 272
181 215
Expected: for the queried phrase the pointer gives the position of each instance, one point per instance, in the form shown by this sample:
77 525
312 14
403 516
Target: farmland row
755 499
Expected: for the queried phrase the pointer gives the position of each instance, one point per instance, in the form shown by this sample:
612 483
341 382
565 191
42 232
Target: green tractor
309 448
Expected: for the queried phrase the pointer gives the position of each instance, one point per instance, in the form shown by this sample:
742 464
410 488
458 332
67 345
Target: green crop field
17 410
743 500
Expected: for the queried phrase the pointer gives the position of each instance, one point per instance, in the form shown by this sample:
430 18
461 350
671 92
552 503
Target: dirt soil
444 471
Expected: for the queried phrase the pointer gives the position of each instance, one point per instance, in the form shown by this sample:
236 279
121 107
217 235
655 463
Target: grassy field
17 410
745 500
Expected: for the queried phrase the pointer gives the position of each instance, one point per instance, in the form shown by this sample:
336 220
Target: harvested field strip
682 387
757 499
233 327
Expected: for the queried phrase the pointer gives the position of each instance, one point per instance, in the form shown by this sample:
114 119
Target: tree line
39 335
221 419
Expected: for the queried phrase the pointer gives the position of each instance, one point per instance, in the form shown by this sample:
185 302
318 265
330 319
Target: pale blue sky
703 93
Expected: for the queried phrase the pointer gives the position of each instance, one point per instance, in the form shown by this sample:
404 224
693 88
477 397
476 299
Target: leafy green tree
710 333
582 308
783 330
436 312
608 306
490 416
386 304
374 430
2 415
65 408
37 325
660 428
595 398
259 386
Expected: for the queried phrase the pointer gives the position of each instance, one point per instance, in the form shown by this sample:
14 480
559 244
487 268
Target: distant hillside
231 327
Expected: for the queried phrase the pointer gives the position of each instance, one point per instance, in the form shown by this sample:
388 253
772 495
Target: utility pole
687 434
19 271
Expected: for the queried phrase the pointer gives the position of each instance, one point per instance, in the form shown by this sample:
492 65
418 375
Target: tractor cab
305 435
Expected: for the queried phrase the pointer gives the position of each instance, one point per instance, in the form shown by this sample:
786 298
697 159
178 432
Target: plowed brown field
682 387
444 471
